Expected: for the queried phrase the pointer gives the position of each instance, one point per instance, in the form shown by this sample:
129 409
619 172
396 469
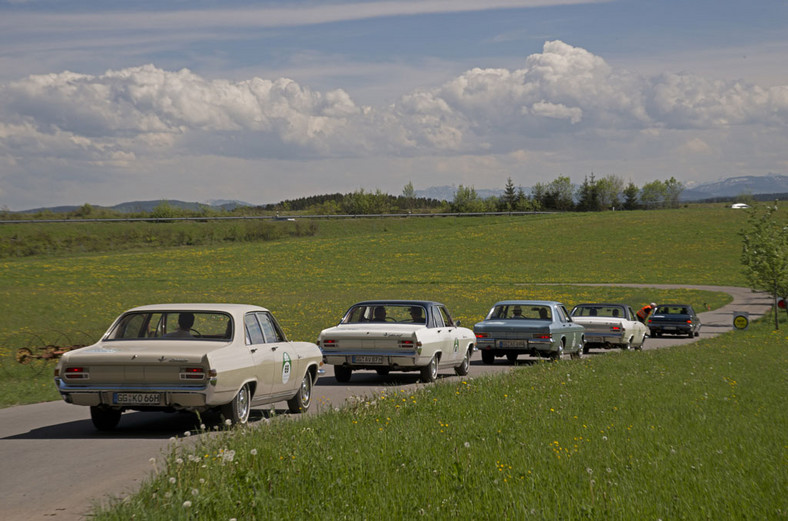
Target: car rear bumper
376 360
192 397
678 329
517 346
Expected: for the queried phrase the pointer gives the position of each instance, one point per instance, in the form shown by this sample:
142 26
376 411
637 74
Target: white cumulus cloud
564 96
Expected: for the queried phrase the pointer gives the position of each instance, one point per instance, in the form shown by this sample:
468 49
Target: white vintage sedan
195 357
397 335
610 326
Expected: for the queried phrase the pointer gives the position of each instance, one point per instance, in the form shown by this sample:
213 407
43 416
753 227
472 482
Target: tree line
593 194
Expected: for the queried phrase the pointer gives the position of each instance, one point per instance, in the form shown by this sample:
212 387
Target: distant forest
592 195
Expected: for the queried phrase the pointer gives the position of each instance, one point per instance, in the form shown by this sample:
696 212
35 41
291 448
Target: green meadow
67 298
691 432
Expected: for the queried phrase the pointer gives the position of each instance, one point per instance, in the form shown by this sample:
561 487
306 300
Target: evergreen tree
631 197
509 197
587 195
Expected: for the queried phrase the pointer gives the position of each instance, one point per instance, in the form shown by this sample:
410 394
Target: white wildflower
228 455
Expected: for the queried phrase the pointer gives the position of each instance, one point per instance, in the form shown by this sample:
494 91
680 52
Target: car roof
227 308
423 303
527 303
602 304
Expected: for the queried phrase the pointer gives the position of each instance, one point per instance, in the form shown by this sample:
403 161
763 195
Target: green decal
286 365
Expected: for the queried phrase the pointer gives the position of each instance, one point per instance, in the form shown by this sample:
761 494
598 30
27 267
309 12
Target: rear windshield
520 311
598 311
173 325
671 310
386 313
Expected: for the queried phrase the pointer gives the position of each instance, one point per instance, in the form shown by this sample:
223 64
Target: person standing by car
645 311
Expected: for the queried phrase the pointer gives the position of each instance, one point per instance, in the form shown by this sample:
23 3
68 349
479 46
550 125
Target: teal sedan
539 328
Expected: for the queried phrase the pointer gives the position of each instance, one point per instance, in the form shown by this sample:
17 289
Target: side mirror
457 323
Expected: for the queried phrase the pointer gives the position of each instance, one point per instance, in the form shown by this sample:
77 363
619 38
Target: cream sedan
397 335
610 326
196 357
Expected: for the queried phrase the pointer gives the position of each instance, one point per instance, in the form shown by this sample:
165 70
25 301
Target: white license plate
368 359
136 399
512 343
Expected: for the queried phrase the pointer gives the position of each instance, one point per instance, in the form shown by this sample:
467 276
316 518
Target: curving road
56 465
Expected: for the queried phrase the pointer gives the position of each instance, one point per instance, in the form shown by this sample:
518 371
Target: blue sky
106 102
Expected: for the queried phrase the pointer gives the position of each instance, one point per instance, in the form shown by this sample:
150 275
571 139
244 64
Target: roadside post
741 319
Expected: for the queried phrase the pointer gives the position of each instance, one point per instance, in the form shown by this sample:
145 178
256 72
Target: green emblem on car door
456 344
286 366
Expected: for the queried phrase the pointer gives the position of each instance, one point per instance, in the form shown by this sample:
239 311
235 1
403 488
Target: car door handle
253 349
274 348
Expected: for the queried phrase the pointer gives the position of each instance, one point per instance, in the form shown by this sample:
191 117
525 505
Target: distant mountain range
148 206
735 186
760 187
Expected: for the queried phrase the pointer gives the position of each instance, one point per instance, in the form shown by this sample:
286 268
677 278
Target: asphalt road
55 465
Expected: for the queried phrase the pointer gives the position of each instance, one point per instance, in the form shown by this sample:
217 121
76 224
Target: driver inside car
185 323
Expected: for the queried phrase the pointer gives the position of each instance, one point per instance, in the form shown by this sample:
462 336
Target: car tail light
615 328
329 343
407 344
482 335
192 373
543 336
76 373
689 321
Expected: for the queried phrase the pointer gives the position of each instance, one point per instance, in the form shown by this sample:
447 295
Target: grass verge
689 432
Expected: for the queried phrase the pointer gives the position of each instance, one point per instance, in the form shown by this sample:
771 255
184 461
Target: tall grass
690 432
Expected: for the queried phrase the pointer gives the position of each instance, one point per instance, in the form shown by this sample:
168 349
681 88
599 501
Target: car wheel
691 334
512 357
300 402
586 349
104 418
342 373
462 369
430 371
627 346
577 355
642 343
383 371
237 411
488 357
